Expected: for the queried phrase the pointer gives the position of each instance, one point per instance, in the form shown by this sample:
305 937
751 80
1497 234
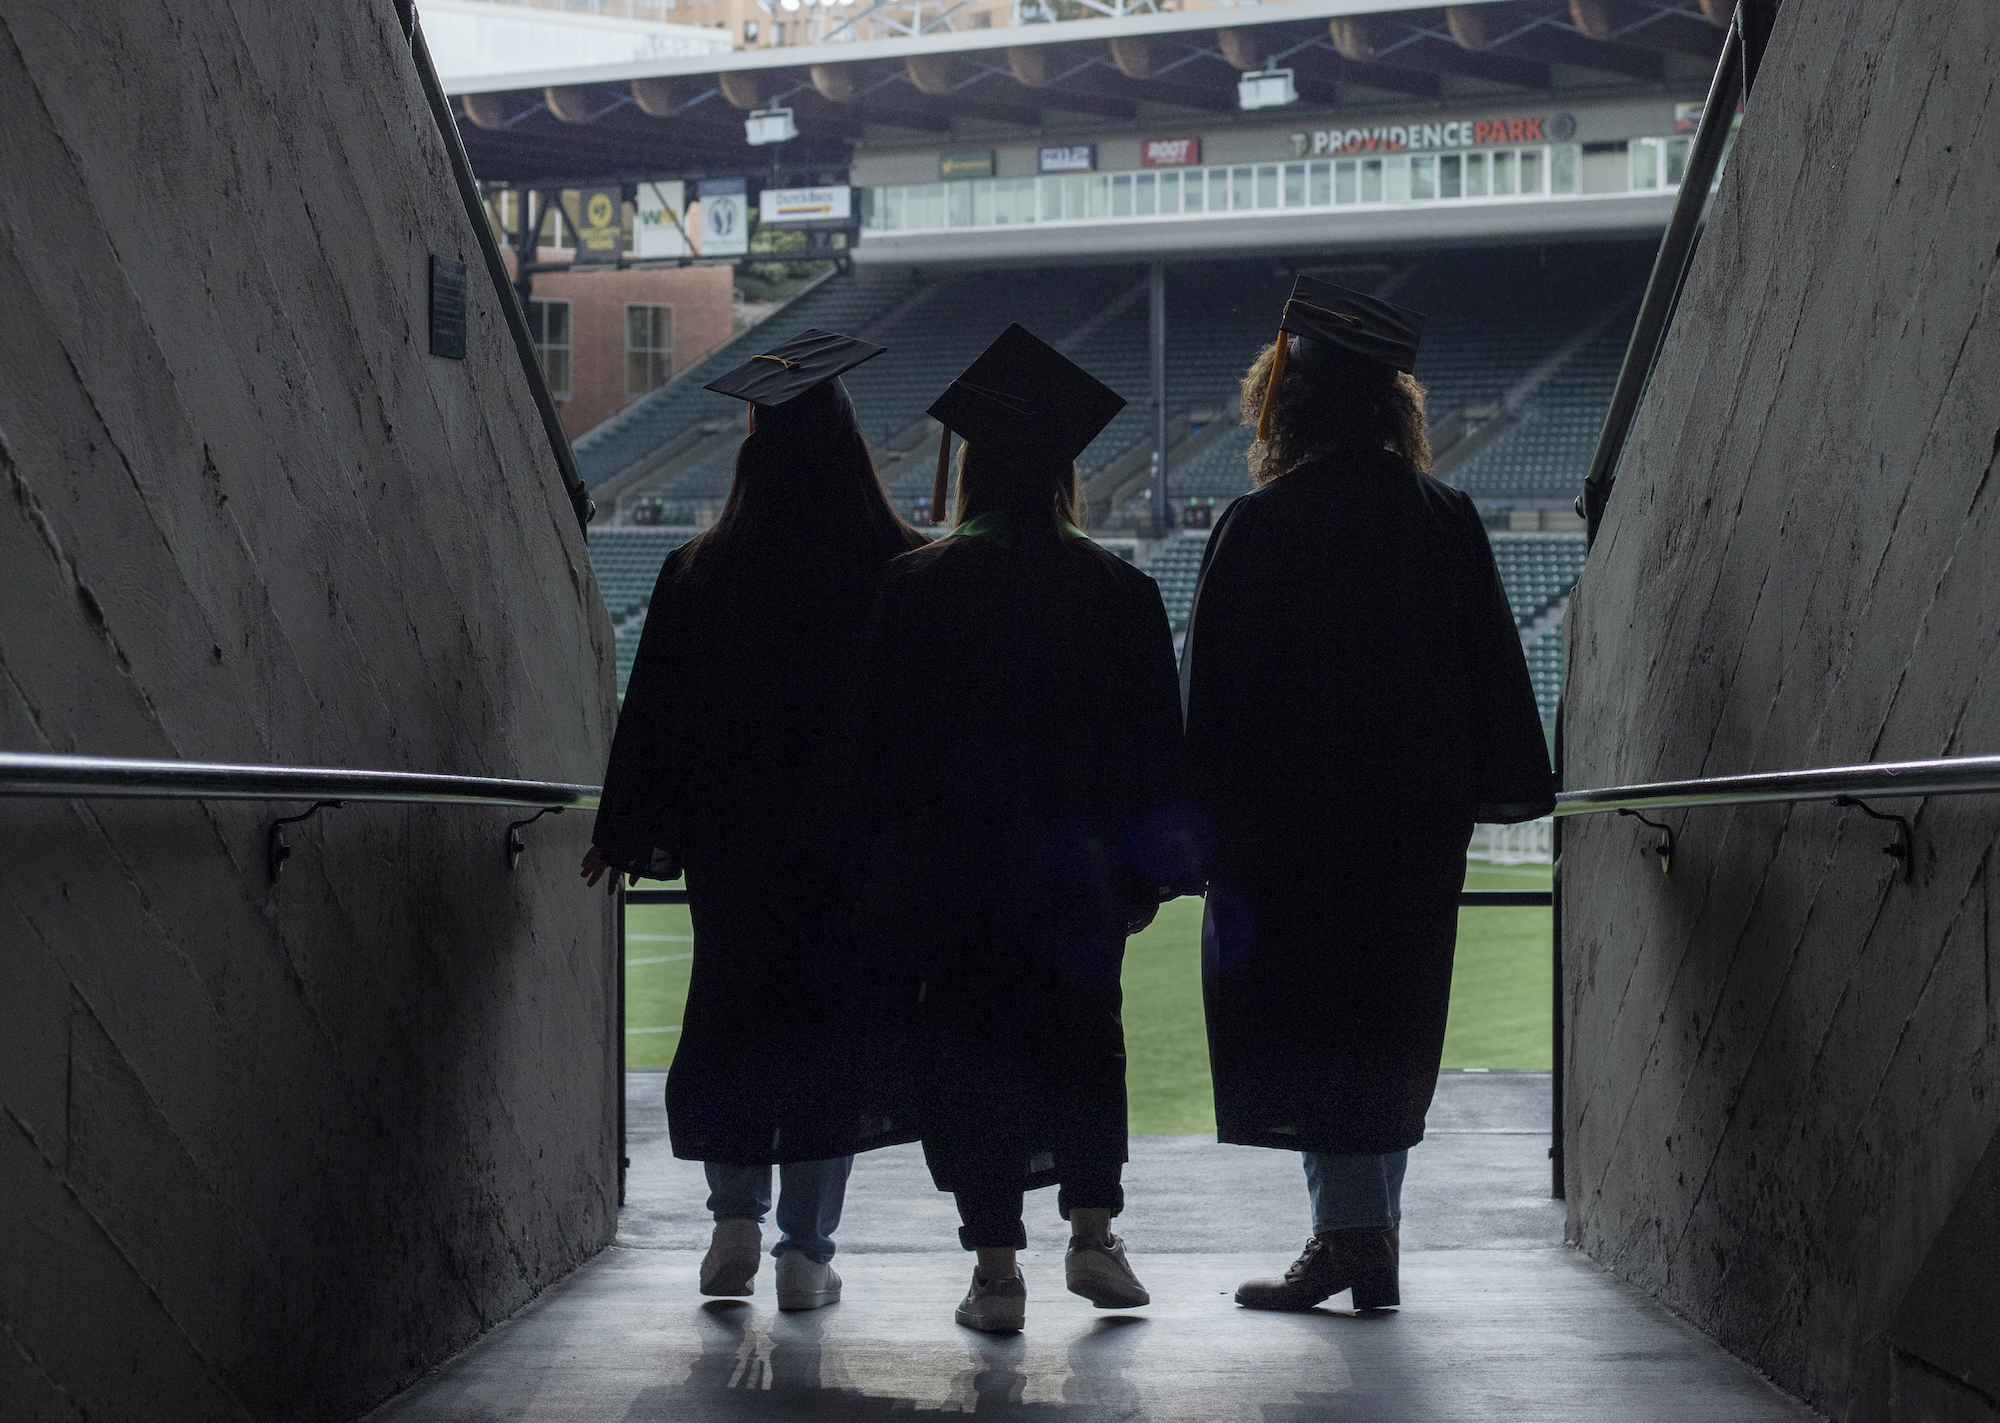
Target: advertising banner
1452 133
1074 158
965 165
725 217
659 229
599 232
783 205
1170 153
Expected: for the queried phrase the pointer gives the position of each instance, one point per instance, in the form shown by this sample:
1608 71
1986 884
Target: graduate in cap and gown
1022 758
746 659
1356 699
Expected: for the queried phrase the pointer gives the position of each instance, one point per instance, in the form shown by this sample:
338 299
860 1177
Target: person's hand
1138 916
595 869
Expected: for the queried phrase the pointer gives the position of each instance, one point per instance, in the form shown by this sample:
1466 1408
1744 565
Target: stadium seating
1492 320
1545 670
1494 317
1548 451
627 561
840 303
1175 567
1537 569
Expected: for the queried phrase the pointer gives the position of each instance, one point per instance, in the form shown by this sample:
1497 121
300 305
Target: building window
548 325
749 32
649 348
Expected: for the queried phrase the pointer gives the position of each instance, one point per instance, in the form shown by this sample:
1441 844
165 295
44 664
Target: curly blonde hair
1348 405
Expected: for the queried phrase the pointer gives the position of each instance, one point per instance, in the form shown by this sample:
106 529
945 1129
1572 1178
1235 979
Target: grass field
1499 996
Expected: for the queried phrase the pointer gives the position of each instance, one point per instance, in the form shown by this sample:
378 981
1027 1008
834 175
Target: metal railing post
1157 334
1557 1186
624 1155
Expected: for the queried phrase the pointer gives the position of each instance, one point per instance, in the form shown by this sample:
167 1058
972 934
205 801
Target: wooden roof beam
496 112
1417 83
669 98
1647 26
1499 29
1040 66
1306 52
1362 41
811 110
841 83
932 74
1136 59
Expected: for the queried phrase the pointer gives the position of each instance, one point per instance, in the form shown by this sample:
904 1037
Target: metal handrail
1670 266
112 777
117 778
1951 775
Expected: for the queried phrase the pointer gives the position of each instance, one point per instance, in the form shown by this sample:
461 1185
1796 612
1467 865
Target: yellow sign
599 229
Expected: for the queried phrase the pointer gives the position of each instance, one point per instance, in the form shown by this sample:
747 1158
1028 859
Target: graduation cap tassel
943 475
1271 386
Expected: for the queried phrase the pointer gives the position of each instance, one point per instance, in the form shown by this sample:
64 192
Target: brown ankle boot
1362 1260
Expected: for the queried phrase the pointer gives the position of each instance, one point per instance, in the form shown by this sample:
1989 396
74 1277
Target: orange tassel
1271 386
938 489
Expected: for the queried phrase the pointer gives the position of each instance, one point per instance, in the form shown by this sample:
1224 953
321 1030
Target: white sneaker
730 1267
995 1306
1102 1275
805 1283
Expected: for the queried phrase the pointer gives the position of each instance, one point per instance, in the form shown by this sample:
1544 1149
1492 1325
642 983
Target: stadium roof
683 116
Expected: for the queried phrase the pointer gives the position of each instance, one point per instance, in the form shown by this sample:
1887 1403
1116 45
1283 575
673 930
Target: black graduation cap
1346 319
787 371
1024 395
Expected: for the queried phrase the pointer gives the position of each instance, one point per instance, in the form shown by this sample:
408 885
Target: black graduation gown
1024 766
737 684
1356 698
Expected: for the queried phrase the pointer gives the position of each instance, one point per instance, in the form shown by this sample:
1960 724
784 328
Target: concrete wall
271 1151
1784 1062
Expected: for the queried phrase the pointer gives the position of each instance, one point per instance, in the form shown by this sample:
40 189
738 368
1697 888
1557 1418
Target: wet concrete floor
1500 1320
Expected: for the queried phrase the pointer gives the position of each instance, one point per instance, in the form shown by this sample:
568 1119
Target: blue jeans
810 1194
1351 1191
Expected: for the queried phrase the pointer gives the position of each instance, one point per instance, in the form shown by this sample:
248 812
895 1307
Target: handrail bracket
1665 849
1901 849
276 851
515 844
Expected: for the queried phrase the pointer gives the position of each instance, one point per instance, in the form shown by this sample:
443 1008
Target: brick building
608 335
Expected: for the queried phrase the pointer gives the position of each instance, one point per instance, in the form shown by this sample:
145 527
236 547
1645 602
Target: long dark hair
1337 403
804 478
1035 491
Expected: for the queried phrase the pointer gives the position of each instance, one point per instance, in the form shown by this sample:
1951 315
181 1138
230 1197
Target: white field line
660 958
674 1029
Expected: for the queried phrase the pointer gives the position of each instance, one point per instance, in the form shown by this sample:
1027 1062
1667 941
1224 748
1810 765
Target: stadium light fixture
1266 89
769 126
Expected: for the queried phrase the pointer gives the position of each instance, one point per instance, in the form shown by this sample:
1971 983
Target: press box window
649 347
548 325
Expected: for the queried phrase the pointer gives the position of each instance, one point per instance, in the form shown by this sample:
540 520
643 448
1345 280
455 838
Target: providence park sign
1455 133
